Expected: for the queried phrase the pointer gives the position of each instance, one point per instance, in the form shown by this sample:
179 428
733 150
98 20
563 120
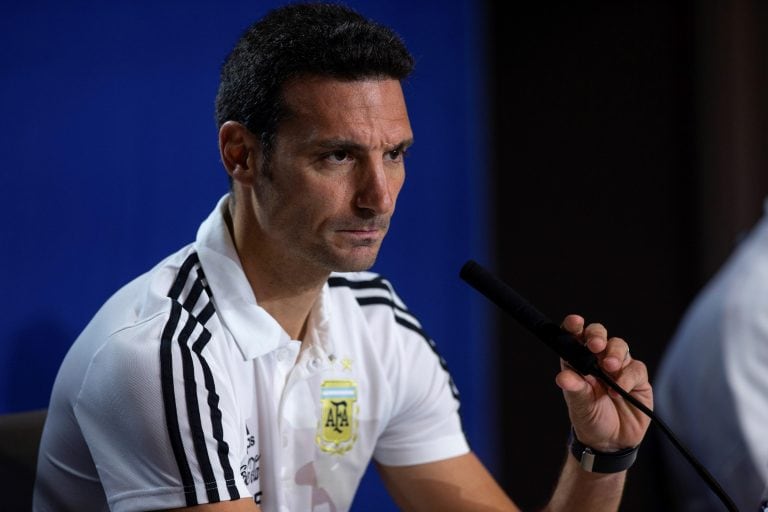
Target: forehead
372 110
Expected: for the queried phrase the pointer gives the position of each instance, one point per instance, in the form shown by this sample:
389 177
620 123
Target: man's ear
240 152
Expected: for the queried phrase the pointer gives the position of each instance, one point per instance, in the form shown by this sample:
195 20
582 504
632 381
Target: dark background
629 156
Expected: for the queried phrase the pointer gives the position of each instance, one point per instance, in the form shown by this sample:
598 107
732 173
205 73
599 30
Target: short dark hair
302 39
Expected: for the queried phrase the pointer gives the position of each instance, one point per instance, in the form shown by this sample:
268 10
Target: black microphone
575 354
556 338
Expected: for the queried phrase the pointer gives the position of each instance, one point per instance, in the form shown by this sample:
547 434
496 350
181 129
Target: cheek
396 185
318 202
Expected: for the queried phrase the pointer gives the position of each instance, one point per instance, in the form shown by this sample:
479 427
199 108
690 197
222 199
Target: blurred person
712 383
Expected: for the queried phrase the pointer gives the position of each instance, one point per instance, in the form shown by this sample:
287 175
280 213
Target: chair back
19 441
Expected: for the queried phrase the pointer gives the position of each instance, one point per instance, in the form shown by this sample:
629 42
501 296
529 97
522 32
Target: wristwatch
596 461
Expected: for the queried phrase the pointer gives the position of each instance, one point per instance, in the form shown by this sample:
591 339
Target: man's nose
375 191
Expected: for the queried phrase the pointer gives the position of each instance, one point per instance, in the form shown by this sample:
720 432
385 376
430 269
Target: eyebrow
348 145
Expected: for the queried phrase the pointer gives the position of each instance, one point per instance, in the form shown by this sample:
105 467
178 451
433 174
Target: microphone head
556 338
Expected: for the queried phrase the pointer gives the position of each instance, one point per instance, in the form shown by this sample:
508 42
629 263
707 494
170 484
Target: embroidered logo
250 470
337 428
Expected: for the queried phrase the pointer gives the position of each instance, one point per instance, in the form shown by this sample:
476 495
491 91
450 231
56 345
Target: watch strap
596 461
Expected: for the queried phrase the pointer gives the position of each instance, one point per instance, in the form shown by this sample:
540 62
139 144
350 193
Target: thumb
578 392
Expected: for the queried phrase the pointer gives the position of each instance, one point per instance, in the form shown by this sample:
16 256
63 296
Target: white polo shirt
712 383
183 391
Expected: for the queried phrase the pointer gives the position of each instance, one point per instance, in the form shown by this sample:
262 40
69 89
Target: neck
291 310
286 289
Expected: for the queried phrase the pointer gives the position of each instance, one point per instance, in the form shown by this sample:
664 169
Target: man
262 366
713 385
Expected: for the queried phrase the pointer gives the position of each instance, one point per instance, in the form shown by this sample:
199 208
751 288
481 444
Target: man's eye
395 155
338 156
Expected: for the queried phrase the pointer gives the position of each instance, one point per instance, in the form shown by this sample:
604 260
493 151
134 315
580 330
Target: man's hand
601 418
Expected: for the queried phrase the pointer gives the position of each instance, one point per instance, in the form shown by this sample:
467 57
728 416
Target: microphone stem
700 469
574 353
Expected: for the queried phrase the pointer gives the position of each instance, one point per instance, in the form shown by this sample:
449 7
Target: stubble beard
349 261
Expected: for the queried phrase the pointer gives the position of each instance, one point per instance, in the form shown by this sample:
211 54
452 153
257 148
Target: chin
356 266
355 262
339 258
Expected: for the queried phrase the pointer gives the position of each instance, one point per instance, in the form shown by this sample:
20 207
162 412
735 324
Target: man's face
335 172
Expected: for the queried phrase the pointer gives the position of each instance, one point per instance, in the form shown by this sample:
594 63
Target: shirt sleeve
425 425
160 417
745 348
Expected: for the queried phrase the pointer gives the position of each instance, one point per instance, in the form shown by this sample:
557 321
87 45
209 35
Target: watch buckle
587 459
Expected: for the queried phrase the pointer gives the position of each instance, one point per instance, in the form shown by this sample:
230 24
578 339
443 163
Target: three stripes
191 311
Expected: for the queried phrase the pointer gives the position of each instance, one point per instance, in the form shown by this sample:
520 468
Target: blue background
108 162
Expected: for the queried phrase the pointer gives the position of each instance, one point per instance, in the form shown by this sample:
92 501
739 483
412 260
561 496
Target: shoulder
154 335
369 298
357 282
173 301
148 294
375 296
366 288
126 333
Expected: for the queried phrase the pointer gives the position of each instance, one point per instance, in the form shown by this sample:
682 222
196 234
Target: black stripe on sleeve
216 423
384 301
169 401
181 278
191 396
193 412
206 313
194 294
201 276
377 282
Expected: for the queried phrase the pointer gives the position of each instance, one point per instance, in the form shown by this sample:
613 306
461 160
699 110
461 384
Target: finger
595 337
615 356
570 381
579 392
574 324
634 376
634 380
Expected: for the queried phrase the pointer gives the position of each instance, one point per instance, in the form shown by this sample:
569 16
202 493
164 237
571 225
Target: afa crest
337 428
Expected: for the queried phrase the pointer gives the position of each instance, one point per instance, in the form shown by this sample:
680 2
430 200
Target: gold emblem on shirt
337 428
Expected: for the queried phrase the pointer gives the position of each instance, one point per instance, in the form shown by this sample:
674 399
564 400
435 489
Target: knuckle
640 367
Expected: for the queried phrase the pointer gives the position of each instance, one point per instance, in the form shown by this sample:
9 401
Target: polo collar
255 331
